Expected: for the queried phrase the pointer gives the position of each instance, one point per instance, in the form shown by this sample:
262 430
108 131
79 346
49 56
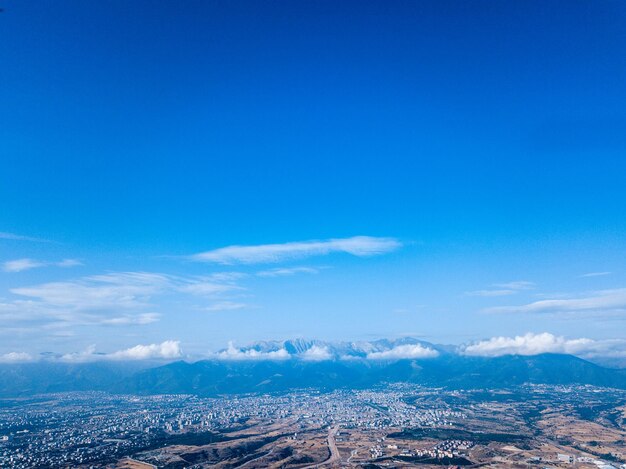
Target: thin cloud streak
18 237
225 306
20 265
360 246
285 272
503 289
517 285
603 300
491 293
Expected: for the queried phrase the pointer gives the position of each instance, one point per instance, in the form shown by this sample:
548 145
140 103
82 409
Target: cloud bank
316 353
528 344
168 350
234 353
535 344
16 357
401 352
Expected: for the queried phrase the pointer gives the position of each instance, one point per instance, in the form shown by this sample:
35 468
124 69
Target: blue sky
470 155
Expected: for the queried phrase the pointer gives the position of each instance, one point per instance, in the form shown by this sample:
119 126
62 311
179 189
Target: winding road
334 457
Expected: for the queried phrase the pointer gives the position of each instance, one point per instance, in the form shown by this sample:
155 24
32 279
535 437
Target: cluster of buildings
94 429
83 428
446 449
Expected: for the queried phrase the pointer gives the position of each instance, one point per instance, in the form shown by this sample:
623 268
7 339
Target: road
335 457
257 458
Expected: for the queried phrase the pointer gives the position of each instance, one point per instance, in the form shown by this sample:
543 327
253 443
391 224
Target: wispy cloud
68 263
360 246
18 237
595 274
140 319
599 301
534 344
20 265
208 288
517 285
120 290
400 352
286 271
491 293
503 289
112 299
225 306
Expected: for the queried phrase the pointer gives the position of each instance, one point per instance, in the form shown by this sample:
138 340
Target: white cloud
112 299
503 289
141 319
604 300
407 351
517 285
16 357
529 344
226 276
168 350
595 274
225 306
268 253
316 353
283 272
491 293
117 290
203 288
19 265
120 290
89 354
234 353
69 263
17 237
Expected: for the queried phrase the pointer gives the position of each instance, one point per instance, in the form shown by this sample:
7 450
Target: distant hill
302 364
48 376
452 371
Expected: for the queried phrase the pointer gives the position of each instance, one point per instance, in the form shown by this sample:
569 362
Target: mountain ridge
345 365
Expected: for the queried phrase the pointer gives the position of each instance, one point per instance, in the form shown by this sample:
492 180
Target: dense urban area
390 426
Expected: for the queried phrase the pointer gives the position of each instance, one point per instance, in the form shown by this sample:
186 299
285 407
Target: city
397 425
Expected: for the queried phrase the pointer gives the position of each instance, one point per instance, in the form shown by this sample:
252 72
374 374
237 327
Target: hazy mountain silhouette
345 365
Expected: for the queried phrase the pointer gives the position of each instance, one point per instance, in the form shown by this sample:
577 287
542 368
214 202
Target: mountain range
278 366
